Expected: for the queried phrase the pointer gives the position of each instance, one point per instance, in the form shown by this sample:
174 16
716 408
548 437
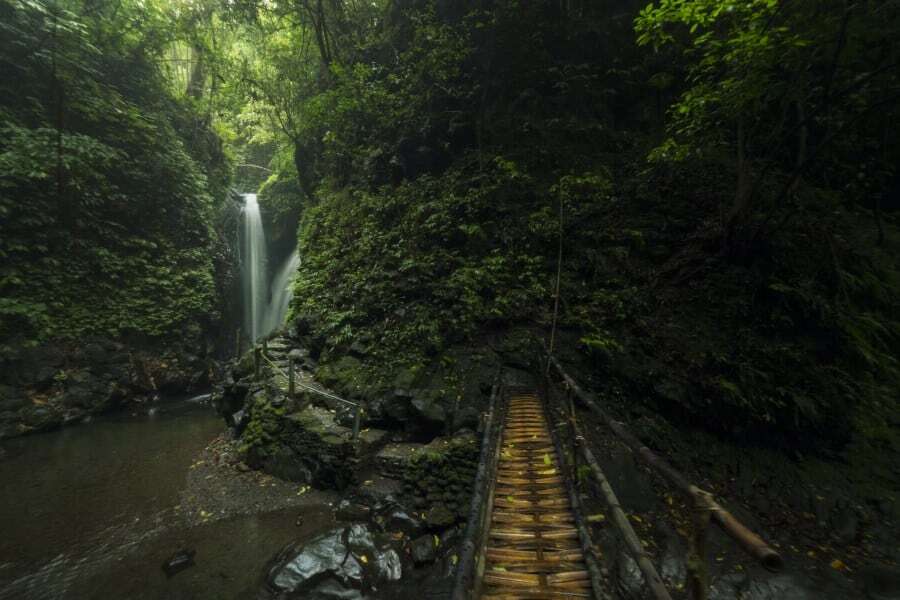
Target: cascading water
254 269
281 293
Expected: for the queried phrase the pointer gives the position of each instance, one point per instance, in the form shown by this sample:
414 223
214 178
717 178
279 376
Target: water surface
89 512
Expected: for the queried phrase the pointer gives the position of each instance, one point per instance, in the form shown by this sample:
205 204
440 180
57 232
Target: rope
559 256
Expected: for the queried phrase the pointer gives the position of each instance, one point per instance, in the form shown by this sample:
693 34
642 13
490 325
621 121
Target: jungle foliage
108 170
703 154
722 178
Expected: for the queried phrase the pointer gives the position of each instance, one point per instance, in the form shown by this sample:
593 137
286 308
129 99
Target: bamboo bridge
526 536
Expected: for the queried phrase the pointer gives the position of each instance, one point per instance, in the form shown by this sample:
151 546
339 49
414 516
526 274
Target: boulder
440 517
342 563
423 550
785 586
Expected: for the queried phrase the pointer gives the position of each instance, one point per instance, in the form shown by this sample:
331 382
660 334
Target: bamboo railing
471 557
705 506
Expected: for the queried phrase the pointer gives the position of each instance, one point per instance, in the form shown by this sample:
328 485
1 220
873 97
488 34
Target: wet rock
768 587
239 421
178 562
399 520
673 567
451 537
440 517
430 410
394 458
423 550
628 577
466 418
352 511
846 526
306 446
342 563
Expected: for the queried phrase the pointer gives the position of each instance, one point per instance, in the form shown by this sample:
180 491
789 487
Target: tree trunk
742 190
198 74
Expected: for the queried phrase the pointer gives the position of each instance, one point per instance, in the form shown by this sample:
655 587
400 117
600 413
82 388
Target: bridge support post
237 343
257 360
697 572
291 376
356 418
265 346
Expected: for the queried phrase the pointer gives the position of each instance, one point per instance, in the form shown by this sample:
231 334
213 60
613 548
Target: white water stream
254 268
265 302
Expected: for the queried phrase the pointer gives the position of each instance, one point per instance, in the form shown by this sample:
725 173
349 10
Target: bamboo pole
620 520
749 541
584 536
357 415
464 580
291 374
697 571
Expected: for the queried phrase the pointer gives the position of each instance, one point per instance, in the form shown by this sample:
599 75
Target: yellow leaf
364 559
637 518
596 518
437 541
546 459
838 564
499 568
454 559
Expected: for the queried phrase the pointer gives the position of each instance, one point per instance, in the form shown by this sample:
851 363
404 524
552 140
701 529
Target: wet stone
342 563
178 562
778 587
423 550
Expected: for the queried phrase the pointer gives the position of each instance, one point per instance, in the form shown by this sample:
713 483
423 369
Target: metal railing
260 354
705 508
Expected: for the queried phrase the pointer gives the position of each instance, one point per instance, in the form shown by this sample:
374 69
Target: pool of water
90 512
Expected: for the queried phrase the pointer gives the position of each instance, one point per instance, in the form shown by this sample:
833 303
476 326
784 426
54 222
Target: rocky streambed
279 501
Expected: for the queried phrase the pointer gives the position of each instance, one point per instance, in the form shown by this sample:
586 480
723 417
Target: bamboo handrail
749 541
584 535
465 578
619 518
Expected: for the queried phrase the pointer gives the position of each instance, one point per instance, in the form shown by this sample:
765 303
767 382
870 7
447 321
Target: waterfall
254 269
281 293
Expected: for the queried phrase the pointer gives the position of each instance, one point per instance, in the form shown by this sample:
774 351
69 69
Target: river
91 512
